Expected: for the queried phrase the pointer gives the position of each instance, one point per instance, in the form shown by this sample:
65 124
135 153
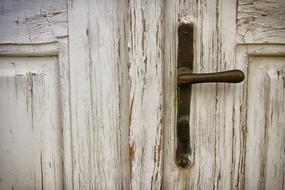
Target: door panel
30 136
265 157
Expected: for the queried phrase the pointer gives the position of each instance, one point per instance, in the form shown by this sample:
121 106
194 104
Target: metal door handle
232 76
185 78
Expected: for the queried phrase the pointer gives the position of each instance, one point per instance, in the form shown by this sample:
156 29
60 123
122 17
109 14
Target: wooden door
34 95
88 94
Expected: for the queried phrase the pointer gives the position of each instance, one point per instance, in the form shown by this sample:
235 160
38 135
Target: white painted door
88 94
34 95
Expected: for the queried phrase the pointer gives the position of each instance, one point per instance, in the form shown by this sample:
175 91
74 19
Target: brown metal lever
231 76
185 77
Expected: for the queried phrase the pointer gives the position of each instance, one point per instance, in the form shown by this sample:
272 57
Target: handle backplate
185 78
184 64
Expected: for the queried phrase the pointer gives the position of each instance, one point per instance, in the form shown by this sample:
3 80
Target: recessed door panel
265 158
30 129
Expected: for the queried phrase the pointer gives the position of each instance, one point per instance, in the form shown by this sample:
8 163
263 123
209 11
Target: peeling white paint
115 99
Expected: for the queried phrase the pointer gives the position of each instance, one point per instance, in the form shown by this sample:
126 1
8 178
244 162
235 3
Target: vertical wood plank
171 176
211 115
99 86
239 118
107 42
81 126
145 98
64 85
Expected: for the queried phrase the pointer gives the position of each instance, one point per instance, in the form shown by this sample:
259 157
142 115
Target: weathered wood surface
118 110
99 88
265 156
219 133
30 137
212 105
32 21
261 21
37 147
146 94
260 159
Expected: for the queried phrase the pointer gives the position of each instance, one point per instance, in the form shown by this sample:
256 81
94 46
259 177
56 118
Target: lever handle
185 77
231 76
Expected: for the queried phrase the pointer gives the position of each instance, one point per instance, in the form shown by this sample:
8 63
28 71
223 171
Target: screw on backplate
184 160
185 31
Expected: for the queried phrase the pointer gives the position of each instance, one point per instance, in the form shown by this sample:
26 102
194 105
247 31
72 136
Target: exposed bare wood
261 21
145 98
98 108
32 21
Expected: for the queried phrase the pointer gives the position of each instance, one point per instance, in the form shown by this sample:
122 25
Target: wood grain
43 69
145 96
264 168
116 98
99 88
31 140
211 124
32 21
261 21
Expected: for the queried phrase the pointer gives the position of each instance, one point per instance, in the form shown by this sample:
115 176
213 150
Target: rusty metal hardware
185 78
231 76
